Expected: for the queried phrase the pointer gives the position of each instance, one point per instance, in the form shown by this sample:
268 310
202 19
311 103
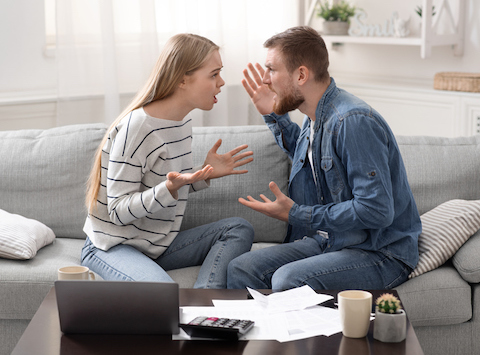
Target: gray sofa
43 173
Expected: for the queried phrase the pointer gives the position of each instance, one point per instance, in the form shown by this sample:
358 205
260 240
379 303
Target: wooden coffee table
43 337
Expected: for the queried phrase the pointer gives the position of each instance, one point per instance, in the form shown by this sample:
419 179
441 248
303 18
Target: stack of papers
283 316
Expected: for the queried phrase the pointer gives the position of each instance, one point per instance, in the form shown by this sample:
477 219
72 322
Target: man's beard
292 100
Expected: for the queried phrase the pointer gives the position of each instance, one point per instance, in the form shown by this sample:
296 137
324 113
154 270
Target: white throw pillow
20 237
444 230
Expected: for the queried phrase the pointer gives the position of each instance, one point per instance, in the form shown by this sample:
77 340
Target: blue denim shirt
361 196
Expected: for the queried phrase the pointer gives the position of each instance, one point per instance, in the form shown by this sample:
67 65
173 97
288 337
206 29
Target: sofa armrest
467 260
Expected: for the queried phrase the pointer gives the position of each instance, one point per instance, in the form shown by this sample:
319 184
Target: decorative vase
335 28
390 327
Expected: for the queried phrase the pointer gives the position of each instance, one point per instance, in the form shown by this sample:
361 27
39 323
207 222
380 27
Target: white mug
355 308
75 273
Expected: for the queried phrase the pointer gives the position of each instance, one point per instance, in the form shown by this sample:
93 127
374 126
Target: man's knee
235 269
286 278
234 265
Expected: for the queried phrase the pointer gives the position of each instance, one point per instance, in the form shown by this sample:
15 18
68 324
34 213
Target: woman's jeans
212 245
303 262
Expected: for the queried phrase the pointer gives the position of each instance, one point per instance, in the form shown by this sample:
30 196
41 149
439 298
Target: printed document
283 316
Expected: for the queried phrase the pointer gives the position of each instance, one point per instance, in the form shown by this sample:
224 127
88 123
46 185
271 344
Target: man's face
288 97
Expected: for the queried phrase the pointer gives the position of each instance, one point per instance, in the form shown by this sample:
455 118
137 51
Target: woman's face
204 84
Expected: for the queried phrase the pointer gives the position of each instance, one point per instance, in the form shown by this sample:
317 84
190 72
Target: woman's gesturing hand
225 164
176 180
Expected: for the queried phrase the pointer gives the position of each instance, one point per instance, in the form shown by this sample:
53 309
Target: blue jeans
212 245
303 262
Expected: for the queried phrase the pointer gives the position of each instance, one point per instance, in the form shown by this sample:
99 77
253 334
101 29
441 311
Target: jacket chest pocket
332 176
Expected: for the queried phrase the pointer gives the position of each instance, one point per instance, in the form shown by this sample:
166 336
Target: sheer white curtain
107 48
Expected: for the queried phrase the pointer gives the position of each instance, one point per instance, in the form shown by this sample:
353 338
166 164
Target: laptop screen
117 307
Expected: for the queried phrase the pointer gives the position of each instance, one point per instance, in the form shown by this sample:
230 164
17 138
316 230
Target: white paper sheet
291 300
287 316
267 327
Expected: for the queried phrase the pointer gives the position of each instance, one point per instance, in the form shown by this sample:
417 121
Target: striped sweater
134 206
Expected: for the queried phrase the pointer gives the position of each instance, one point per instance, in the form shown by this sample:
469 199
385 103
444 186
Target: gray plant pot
335 28
390 328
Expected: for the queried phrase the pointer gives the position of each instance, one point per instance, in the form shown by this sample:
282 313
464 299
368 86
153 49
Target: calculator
220 328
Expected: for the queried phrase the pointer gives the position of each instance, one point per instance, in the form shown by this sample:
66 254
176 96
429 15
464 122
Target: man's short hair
302 45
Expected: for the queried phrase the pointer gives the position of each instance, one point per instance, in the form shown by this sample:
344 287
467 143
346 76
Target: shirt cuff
300 216
199 185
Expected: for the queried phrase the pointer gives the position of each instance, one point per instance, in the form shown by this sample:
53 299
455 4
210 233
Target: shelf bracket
429 34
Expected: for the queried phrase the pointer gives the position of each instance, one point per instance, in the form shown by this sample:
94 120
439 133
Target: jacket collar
319 112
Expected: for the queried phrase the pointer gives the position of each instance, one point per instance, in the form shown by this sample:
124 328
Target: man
353 222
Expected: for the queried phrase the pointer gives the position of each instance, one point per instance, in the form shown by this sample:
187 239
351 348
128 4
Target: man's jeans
212 245
303 262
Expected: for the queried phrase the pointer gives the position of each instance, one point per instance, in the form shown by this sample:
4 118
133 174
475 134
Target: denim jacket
360 197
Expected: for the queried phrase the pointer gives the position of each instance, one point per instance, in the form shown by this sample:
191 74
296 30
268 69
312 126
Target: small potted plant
336 17
390 325
419 10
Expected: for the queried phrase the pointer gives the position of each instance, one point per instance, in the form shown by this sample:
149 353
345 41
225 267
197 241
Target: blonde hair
182 55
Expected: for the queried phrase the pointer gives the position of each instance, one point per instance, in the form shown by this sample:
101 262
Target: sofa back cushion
44 174
221 199
441 169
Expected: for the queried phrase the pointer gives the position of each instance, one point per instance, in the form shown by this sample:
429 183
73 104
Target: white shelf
429 36
407 41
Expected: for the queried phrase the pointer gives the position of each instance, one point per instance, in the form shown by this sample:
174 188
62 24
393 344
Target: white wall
397 82
404 62
28 77
23 66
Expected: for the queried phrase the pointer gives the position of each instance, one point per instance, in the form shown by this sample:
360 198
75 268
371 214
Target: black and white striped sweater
134 206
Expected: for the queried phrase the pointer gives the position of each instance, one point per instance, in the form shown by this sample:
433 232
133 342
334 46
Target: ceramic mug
75 273
355 307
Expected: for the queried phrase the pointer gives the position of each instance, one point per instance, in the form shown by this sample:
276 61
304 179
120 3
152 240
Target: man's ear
303 75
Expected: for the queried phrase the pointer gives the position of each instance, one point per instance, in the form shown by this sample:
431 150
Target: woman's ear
183 82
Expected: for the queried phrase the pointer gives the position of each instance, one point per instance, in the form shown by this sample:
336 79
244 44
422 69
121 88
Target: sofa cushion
185 277
444 230
438 297
46 174
221 199
467 259
20 237
25 283
441 169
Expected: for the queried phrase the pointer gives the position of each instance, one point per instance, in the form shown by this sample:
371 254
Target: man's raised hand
261 95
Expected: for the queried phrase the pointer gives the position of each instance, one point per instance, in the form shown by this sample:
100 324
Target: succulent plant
388 303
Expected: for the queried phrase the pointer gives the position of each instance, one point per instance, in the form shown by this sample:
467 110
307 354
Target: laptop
117 307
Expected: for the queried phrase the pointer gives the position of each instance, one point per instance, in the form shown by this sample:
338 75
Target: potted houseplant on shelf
390 325
336 17
419 10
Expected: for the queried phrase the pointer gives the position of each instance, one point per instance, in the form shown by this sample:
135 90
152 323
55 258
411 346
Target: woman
143 172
